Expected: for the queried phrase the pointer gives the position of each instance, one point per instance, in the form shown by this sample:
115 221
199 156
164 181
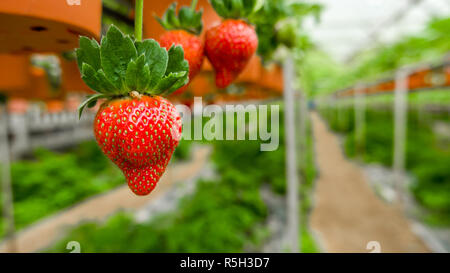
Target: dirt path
347 214
99 207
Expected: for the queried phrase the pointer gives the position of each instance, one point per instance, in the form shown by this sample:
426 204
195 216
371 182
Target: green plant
51 182
223 215
278 23
322 75
425 158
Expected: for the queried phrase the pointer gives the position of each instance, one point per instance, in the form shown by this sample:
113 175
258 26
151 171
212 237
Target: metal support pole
340 113
302 135
291 162
400 123
360 117
303 121
7 196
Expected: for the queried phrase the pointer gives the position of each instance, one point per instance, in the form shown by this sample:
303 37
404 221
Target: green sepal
120 65
135 73
156 58
236 9
89 52
89 76
90 102
179 83
116 52
177 72
107 86
168 82
143 80
176 62
187 19
96 80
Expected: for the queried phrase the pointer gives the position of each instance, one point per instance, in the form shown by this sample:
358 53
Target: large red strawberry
135 127
230 45
183 29
139 135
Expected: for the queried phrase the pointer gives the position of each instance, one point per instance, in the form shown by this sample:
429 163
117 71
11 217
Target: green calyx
236 9
120 65
187 19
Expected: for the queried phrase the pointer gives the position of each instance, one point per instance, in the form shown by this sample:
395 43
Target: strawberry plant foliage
120 65
187 19
183 29
235 9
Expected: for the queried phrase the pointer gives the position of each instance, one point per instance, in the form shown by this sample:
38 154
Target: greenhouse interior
225 126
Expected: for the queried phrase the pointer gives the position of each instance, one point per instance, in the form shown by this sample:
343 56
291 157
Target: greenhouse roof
348 26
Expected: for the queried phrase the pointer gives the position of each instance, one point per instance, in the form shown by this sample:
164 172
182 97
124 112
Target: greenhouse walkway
347 214
97 208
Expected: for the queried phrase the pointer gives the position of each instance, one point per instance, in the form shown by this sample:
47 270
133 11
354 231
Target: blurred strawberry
183 29
230 45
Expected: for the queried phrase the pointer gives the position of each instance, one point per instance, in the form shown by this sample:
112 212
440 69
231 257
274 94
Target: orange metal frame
54 26
420 79
46 25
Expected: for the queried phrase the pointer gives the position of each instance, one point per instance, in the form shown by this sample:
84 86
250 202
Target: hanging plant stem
194 4
138 19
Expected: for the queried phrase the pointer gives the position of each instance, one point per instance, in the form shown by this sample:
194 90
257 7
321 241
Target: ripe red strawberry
135 127
193 50
139 136
229 47
183 29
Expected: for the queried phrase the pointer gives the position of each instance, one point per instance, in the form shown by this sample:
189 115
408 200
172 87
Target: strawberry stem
194 5
135 95
138 19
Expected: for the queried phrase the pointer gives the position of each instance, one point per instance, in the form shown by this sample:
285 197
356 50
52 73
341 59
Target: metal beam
7 195
400 130
291 160
373 36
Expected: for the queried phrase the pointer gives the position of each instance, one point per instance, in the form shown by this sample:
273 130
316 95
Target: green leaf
130 77
170 80
136 76
116 52
89 52
164 20
176 61
258 5
92 103
97 80
89 102
236 8
105 84
187 19
219 7
143 79
172 16
119 65
179 83
156 58
89 76
177 71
